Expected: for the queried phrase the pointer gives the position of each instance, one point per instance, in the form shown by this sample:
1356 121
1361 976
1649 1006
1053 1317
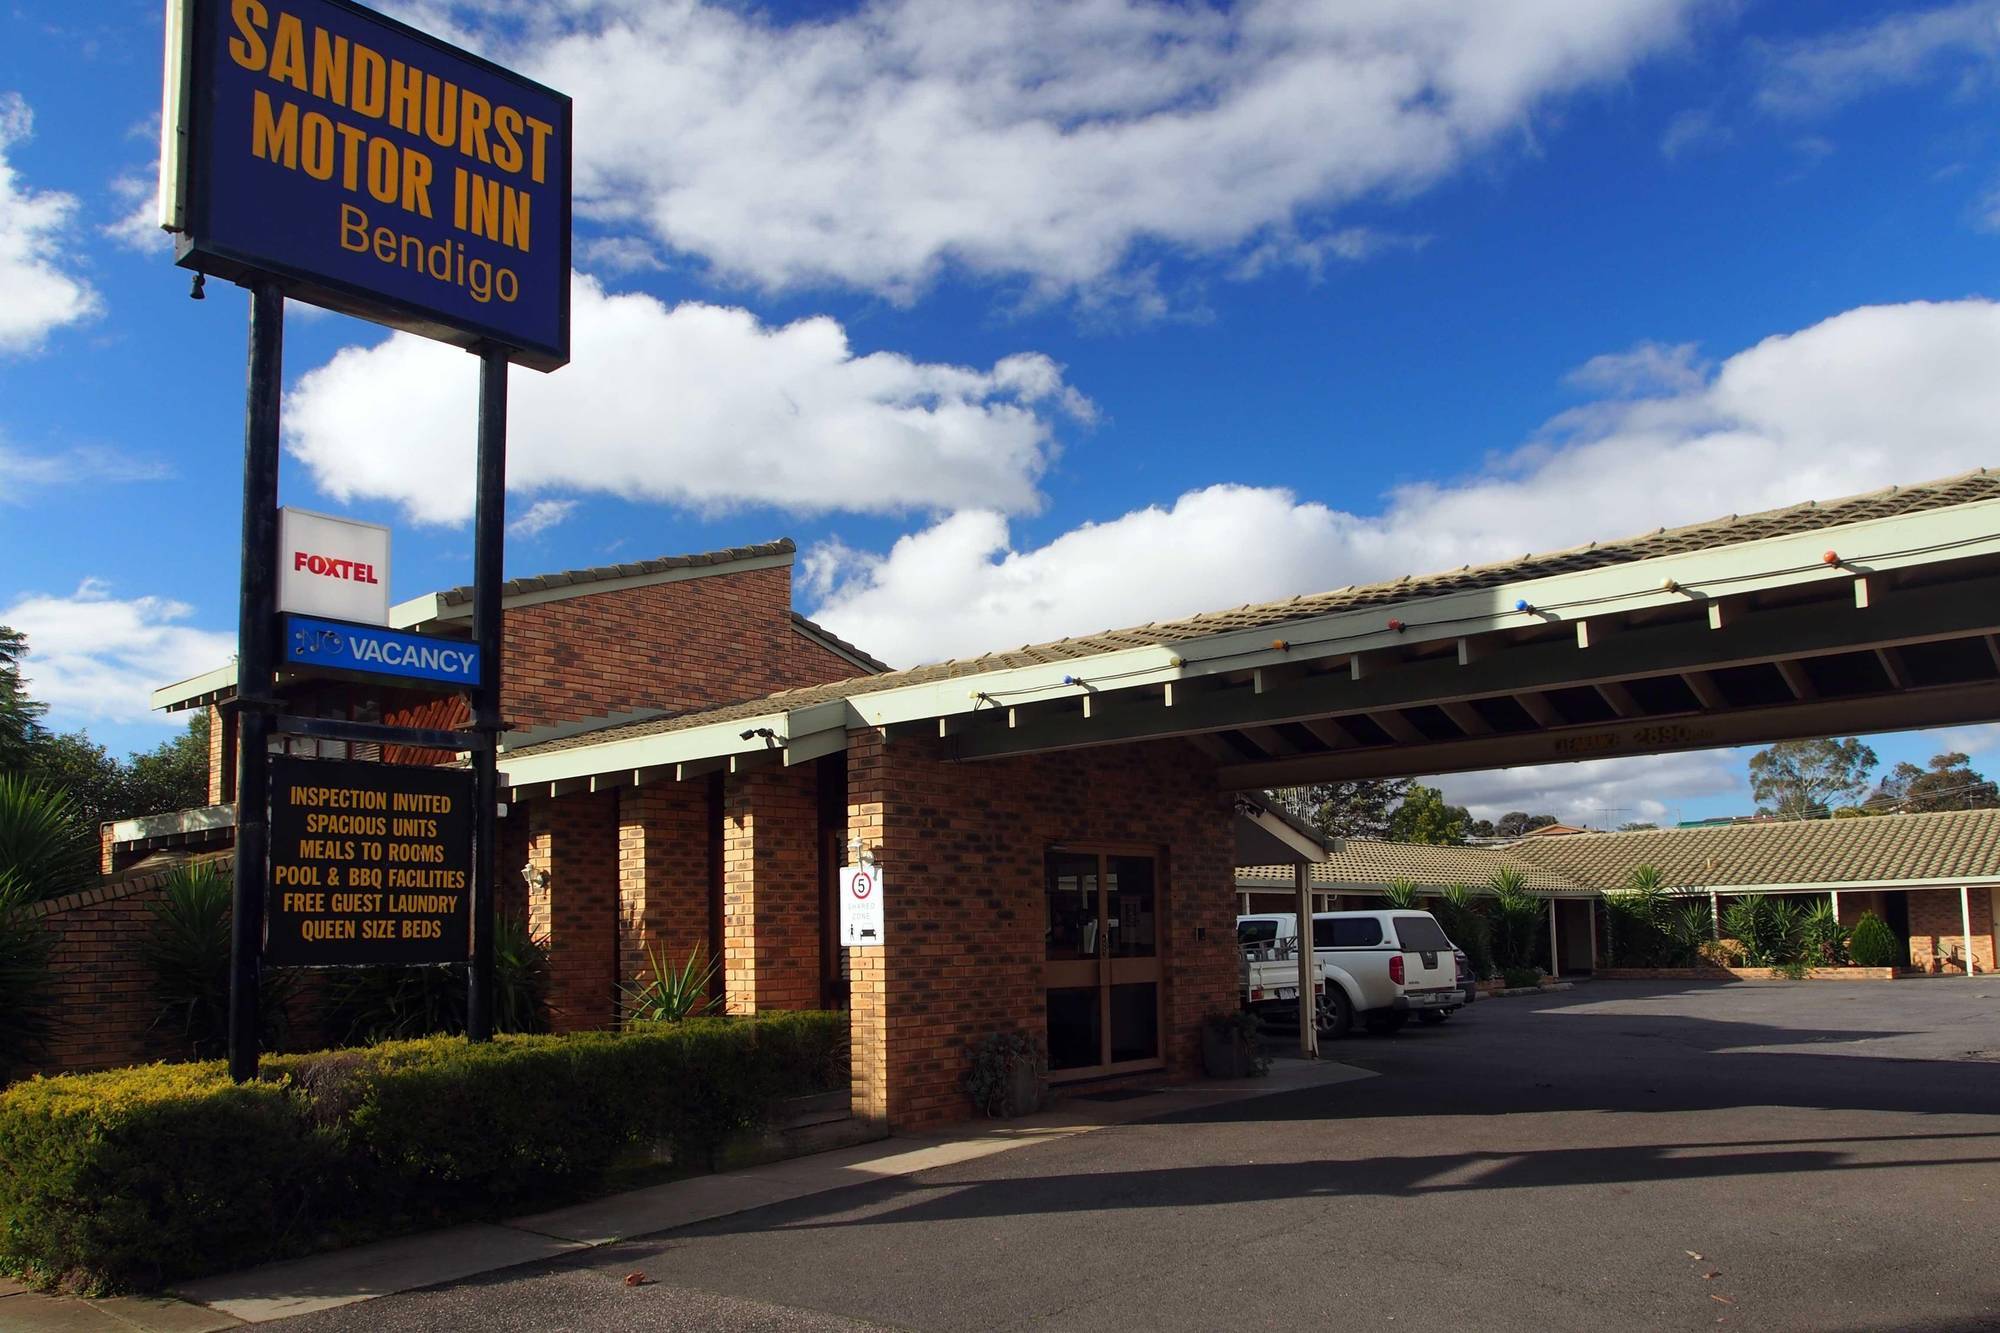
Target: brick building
1933 878
1055 827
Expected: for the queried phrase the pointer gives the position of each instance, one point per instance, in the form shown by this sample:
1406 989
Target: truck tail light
1256 993
1396 969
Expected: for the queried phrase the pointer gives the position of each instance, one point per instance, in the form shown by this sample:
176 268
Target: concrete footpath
344 1277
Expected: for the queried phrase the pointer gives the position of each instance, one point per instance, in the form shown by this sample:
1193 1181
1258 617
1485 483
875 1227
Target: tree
1358 809
1424 817
20 717
1805 779
1636 826
1948 784
171 776
1479 828
85 771
1516 822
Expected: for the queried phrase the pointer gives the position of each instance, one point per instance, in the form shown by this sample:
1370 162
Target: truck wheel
1433 1017
1334 1015
1383 1025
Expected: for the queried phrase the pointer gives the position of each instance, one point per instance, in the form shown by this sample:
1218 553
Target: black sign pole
489 539
255 618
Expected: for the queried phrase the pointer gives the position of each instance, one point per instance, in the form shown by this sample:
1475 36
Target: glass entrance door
1102 967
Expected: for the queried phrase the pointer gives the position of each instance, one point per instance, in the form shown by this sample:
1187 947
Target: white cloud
37 294
94 657
1692 129
1645 369
1602 793
693 404
1980 741
1043 142
23 471
541 516
1878 395
1819 73
138 226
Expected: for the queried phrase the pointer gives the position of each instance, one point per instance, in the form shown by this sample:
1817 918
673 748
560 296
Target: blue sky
1026 322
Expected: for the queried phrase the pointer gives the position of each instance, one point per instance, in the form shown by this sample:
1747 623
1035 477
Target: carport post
1308 1027
1555 962
1965 925
1835 895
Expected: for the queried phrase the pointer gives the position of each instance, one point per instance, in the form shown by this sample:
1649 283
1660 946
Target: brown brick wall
103 1006
770 889
677 646
574 840
961 848
1937 933
663 876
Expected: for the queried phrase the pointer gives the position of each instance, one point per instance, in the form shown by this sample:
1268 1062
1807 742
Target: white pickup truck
1380 967
1269 973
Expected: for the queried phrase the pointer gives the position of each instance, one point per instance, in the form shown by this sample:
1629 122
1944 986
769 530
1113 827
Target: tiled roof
635 569
1983 484
1365 862
821 632
1875 849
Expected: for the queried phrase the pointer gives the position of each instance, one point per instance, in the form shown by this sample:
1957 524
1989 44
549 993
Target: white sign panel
333 567
860 905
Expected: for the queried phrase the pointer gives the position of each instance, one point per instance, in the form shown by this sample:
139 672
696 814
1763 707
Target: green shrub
1520 920
1468 928
1400 895
1824 937
27 986
140 1176
46 846
1771 931
373 1004
1517 977
664 993
1872 943
187 953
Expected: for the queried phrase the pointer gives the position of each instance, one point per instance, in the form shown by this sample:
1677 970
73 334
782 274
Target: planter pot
1024 1090
1225 1054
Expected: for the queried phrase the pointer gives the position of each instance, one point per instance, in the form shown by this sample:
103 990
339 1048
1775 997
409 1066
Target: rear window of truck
1361 932
1420 934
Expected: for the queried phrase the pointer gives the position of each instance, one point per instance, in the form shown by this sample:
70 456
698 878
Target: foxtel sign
333 567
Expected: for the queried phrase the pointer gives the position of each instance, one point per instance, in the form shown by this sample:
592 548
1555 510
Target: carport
1054 825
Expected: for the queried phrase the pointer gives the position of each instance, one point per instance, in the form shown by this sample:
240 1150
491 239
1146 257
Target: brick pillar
867 967
221 756
662 875
770 889
574 841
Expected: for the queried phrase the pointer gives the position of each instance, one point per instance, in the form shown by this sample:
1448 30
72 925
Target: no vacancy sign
860 905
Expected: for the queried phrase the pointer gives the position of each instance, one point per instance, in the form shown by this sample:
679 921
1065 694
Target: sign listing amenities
370 864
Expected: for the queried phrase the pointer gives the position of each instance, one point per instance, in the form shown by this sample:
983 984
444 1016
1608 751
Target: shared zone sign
373 168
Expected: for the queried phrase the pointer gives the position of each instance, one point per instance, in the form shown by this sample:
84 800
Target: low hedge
138 1177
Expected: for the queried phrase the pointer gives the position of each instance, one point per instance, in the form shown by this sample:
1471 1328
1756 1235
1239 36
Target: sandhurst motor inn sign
377 170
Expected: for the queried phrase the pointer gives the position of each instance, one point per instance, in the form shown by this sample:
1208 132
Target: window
1256 932
1421 934
1347 932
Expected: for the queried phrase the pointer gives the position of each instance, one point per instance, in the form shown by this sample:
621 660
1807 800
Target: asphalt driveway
1622 1155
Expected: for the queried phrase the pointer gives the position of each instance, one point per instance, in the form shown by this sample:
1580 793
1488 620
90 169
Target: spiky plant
665 993
1400 895
27 987
44 842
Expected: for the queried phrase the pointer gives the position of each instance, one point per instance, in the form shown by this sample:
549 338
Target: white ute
1380 967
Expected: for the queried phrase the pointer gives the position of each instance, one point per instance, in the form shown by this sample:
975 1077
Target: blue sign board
334 645
373 169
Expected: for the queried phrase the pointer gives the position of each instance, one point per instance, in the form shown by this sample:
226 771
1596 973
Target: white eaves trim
196 690
1875 545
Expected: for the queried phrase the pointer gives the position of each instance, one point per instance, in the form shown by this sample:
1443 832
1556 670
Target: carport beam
1555 961
1965 925
1308 1027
